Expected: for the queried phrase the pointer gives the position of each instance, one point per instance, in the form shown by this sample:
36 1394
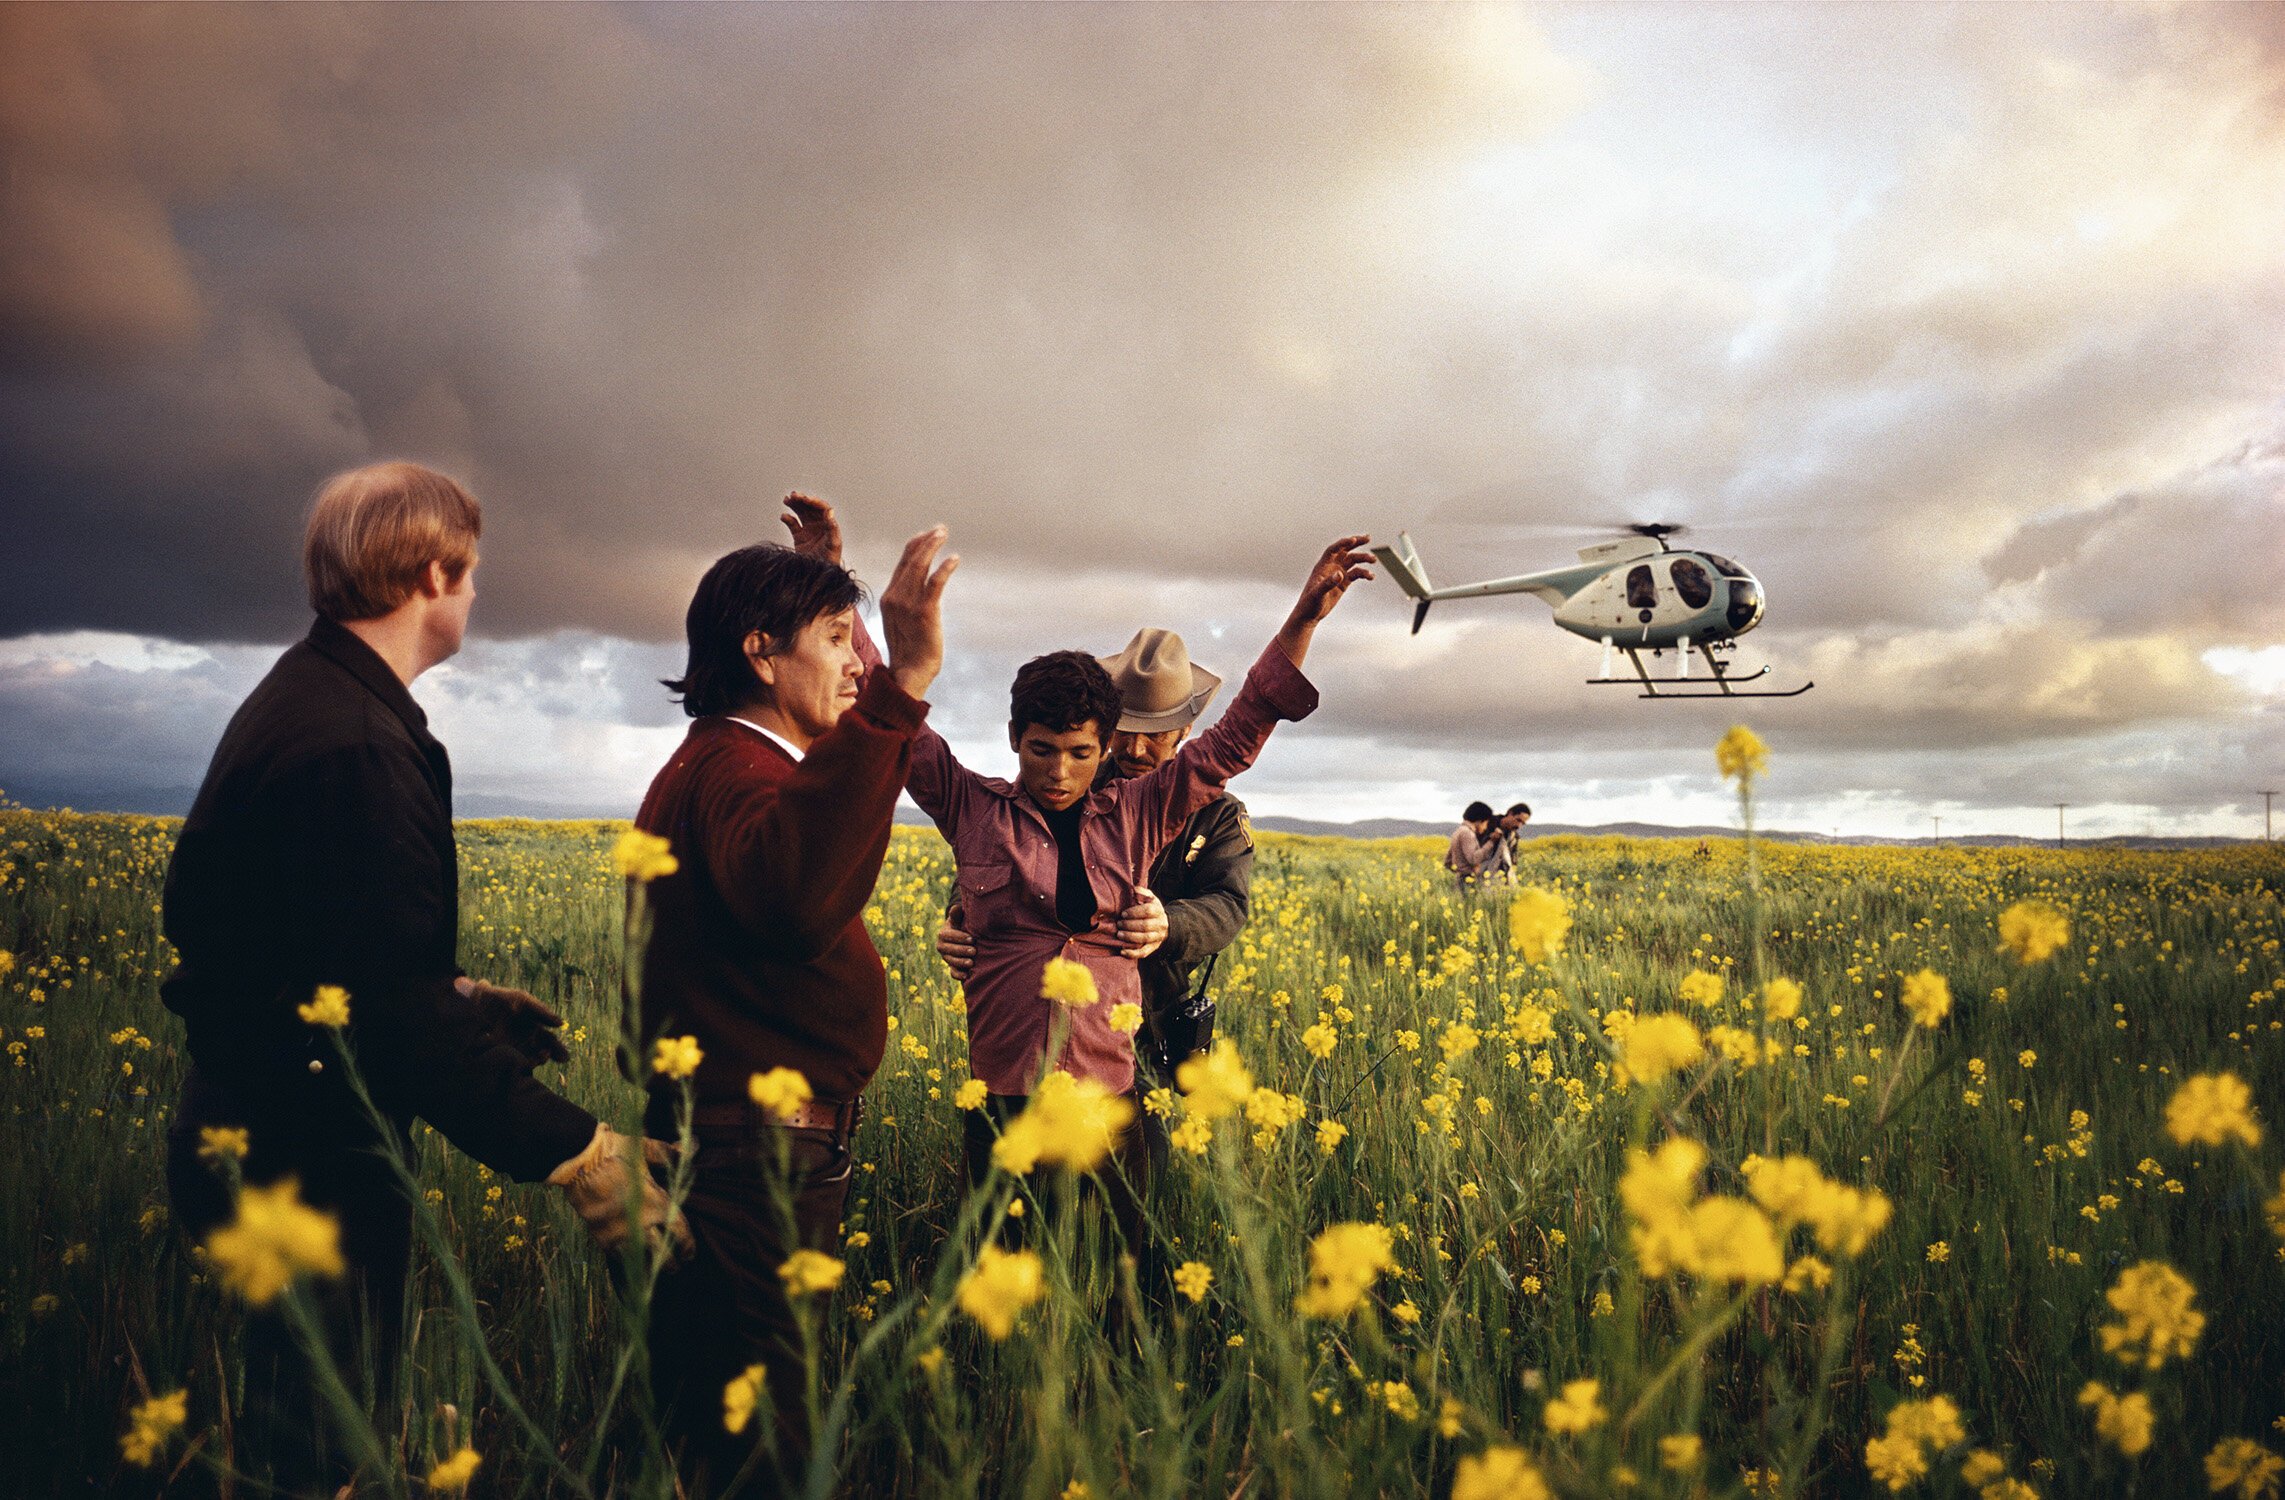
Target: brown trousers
1121 1184
726 1308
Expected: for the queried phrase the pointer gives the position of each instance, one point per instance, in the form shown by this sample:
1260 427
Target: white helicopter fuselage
1644 595
1633 595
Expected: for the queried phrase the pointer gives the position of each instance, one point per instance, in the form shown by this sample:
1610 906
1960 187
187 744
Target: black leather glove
523 1019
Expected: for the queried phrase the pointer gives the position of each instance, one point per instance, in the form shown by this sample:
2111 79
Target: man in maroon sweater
777 807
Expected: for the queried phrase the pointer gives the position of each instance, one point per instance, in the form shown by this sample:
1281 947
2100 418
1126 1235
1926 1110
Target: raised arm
1274 689
934 777
798 859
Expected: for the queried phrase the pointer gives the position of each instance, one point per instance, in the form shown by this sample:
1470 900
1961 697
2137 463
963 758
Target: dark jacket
1205 879
320 851
758 945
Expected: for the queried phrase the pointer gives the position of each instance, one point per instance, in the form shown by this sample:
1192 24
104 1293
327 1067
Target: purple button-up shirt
1007 868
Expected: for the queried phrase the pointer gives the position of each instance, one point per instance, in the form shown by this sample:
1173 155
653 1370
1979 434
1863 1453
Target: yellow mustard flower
2243 1466
1658 1045
328 1007
223 1142
1982 1467
1217 1083
1344 1261
1781 999
1578 1409
2124 1422
1681 1451
1126 1018
1500 1472
643 856
781 1091
1068 982
971 1095
150 1424
1072 1122
807 1272
1897 1462
1192 1278
1330 1134
274 1238
1740 755
676 1056
741 1396
1319 1040
1701 988
1002 1284
2212 1109
2031 930
1928 996
451 1475
2157 1322
1537 923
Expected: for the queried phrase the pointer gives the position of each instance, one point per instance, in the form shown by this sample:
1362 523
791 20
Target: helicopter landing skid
1723 686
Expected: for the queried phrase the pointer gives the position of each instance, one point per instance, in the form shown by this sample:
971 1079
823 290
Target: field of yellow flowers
1678 1171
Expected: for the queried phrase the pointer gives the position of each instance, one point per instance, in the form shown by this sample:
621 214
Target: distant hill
1400 828
174 801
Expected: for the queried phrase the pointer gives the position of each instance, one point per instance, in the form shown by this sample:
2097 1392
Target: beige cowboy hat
1160 687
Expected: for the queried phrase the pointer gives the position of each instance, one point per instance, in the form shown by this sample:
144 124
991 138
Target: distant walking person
1471 851
320 852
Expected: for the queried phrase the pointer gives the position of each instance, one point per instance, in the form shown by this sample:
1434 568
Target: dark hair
765 587
1478 812
1520 807
1063 690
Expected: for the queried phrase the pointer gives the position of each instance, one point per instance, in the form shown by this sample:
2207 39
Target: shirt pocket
985 887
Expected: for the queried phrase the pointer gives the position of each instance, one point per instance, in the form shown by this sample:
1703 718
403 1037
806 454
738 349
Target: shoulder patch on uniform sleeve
1245 827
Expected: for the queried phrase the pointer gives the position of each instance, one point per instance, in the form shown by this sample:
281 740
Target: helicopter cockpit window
1691 582
1641 589
1723 565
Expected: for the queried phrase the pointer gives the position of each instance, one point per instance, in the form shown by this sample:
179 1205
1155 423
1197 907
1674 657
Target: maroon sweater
758 945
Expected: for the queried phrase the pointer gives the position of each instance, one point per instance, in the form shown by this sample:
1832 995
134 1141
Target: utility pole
2059 823
2265 796
1936 829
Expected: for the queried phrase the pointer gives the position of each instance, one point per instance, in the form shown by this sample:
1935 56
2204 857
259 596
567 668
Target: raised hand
815 531
1341 564
912 616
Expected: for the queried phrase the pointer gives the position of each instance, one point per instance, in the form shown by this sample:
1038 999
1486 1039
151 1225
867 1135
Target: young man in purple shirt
1049 861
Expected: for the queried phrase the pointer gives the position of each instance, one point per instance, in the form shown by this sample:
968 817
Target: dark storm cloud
1964 329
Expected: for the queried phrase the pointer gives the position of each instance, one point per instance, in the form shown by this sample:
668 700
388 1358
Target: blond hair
374 531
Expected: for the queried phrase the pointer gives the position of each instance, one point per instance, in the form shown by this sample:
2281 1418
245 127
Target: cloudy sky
1962 326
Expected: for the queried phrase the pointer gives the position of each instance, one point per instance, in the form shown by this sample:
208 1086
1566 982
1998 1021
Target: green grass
2173 969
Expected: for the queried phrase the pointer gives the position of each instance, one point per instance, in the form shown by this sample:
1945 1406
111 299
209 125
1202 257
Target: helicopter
1634 594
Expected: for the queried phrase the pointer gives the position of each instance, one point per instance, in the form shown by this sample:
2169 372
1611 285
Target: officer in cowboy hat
1203 878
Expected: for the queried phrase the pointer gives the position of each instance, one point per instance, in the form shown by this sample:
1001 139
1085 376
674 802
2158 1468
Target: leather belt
743 1117
841 1119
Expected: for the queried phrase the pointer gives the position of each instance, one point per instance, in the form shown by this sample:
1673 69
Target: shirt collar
771 735
346 649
